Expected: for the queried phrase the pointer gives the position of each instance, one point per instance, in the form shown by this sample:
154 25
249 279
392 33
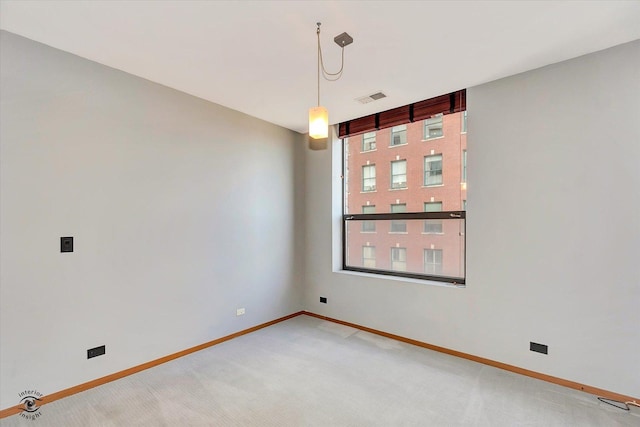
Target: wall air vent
371 98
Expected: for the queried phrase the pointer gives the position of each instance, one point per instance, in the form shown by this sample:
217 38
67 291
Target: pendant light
319 116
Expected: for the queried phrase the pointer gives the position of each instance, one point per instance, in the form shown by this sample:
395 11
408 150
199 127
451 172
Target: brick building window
433 261
433 127
464 165
369 256
399 135
369 178
464 122
399 259
369 141
398 226
368 226
433 226
433 170
399 174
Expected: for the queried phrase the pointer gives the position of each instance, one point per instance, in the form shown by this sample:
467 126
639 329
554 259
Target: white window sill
433 139
400 279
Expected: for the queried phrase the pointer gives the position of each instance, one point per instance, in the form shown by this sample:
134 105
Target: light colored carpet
309 372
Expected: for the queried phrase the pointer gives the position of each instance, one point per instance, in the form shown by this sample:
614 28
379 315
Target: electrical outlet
538 348
240 311
323 300
97 351
66 244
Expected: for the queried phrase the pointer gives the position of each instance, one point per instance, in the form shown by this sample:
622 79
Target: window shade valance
445 104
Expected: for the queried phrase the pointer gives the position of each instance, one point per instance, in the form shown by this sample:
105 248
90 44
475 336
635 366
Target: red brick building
415 167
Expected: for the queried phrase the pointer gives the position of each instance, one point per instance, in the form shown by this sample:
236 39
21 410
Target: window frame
375 176
425 128
398 250
461 215
363 228
397 223
372 144
392 175
393 130
463 125
463 161
445 104
424 226
434 251
373 248
424 167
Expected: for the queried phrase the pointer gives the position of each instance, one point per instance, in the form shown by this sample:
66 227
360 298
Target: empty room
319 213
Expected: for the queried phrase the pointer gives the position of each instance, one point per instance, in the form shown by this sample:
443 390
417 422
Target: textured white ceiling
259 57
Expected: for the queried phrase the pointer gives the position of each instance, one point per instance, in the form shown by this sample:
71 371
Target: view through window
405 199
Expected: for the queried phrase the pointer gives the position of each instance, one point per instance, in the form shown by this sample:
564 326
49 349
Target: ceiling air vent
371 98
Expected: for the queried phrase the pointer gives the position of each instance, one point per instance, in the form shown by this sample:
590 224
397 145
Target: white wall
181 211
553 230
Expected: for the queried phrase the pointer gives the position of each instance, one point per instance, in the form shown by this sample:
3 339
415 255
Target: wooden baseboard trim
566 383
116 376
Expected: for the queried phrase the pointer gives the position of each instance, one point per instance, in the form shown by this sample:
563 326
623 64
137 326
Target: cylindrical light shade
318 122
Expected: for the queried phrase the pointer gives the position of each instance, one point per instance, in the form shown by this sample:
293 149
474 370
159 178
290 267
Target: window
369 178
464 121
368 226
369 141
433 127
413 254
398 226
399 174
369 256
413 224
464 165
433 226
399 259
433 261
433 170
399 135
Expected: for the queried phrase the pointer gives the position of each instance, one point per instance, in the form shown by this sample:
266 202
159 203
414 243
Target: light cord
319 58
619 404
325 73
